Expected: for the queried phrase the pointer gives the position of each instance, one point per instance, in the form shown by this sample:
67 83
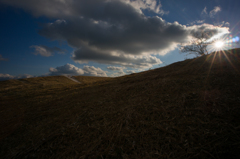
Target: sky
106 37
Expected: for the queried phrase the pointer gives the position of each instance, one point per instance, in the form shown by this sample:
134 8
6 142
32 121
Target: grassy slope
90 79
184 110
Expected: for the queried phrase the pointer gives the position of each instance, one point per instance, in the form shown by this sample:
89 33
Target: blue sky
104 38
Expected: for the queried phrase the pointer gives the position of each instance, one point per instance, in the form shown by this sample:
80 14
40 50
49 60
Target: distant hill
188 109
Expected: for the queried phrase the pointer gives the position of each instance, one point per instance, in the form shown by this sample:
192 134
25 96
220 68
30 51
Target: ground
189 109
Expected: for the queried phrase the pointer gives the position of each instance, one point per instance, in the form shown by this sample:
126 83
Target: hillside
189 109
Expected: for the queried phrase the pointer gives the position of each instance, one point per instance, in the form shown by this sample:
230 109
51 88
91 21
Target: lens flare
218 44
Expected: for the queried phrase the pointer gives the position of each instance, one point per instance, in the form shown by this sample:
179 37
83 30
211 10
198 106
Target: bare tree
198 45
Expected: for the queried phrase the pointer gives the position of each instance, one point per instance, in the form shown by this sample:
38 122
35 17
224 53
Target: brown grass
90 79
184 110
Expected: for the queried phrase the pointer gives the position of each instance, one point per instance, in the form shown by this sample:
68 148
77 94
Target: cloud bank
70 69
113 31
114 68
8 77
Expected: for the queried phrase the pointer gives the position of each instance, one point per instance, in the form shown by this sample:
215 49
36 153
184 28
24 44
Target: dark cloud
70 69
3 59
46 51
112 31
84 55
136 36
86 8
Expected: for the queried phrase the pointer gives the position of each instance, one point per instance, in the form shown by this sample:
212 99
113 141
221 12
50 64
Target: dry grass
91 79
184 110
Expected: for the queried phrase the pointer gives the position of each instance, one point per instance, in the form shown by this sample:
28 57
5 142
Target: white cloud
204 11
196 22
130 71
152 5
119 70
23 76
214 11
67 69
222 24
70 69
93 71
227 24
200 21
8 77
46 51
117 74
114 68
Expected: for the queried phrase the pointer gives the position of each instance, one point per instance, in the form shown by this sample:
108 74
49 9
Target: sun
218 44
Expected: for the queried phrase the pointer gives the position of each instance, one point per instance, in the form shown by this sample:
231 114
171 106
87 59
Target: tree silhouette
198 45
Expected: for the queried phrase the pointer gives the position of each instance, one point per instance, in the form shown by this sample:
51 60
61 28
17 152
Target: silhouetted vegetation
198 44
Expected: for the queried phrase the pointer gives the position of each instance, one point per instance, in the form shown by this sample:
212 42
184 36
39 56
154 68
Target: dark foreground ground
189 109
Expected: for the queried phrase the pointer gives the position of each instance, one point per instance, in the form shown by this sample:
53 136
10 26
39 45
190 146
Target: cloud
204 11
211 30
67 69
3 59
112 31
46 51
227 24
73 8
117 74
70 69
152 5
119 70
126 44
8 77
83 55
24 76
197 22
223 23
214 11
114 68
93 71
130 71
